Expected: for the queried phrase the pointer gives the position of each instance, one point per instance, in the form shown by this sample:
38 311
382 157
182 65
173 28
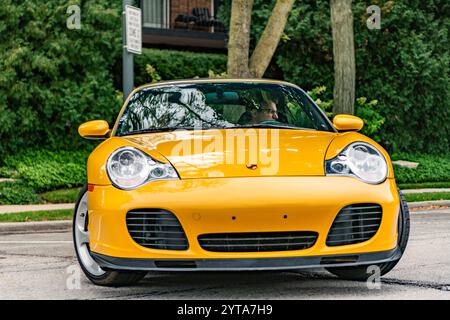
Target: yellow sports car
235 174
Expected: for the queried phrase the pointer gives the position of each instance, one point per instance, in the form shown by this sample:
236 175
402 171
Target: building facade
188 24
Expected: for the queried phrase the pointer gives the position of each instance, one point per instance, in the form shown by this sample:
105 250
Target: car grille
354 224
257 241
156 229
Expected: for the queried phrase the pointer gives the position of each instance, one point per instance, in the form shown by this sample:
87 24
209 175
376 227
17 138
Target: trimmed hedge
430 169
44 170
17 193
170 64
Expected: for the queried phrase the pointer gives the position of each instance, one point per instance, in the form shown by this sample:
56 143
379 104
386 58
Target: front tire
360 273
97 275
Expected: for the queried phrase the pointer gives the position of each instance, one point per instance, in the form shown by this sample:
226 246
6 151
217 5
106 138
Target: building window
156 13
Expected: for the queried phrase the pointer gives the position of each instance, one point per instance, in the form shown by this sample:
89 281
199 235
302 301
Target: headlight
360 160
129 168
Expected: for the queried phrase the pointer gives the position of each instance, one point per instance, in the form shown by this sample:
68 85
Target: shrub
45 170
51 78
17 193
6 172
366 110
405 65
431 169
52 175
327 106
30 157
170 64
373 120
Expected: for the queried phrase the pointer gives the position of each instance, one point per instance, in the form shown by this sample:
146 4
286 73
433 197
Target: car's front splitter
241 264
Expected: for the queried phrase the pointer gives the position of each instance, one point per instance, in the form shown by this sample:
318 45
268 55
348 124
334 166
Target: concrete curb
32 227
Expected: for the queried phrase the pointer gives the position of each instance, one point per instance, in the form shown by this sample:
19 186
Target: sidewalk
36 207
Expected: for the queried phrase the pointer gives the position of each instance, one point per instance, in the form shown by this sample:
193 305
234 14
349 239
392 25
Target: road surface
43 266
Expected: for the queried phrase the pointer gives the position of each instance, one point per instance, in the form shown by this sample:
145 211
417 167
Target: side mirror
97 129
345 122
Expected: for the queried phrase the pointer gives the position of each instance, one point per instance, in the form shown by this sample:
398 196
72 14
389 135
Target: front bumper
243 264
257 204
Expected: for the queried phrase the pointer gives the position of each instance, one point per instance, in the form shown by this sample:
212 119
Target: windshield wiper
271 126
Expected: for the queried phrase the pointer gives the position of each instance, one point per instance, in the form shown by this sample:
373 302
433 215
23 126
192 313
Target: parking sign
133 29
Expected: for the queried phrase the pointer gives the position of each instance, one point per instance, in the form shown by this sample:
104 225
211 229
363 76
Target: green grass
37 216
424 185
61 196
413 197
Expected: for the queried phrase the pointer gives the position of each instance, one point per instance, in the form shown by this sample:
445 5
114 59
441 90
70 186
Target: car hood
240 152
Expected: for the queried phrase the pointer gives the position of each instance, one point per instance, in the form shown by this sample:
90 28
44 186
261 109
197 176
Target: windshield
219 105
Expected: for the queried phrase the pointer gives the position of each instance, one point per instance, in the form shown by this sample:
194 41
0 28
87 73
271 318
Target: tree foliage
404 65
52 78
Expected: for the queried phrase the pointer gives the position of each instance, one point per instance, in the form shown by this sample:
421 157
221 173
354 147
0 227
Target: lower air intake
354 224
257 241
156 229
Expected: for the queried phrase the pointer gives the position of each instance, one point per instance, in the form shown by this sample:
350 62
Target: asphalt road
42 266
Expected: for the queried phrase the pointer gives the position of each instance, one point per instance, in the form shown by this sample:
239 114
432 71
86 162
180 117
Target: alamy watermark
73 22
254 148
73 280
374 280
374 20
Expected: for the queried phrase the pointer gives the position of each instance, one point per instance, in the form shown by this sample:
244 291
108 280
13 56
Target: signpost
132 43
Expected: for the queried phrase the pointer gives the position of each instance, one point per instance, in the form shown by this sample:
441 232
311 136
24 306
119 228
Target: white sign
133 20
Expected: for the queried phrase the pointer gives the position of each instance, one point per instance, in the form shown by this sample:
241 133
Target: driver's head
268 111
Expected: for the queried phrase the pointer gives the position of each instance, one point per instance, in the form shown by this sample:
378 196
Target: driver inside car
267 113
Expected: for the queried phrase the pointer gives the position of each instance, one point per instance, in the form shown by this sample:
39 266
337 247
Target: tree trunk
239 38
267 44
344 56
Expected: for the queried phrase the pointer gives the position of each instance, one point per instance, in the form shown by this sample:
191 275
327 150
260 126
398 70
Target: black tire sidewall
404 211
